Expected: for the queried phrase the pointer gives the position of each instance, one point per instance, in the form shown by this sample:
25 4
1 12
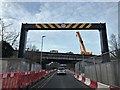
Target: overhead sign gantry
63 26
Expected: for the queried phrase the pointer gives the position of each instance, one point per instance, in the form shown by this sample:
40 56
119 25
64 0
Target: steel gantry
63 26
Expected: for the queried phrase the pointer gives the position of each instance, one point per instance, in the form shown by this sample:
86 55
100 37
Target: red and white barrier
87 81
0 81
94 84
20 79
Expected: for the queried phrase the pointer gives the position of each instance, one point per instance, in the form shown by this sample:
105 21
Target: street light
41 51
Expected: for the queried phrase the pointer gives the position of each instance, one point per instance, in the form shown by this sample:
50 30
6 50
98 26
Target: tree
115 46
6 47
9 36
31 47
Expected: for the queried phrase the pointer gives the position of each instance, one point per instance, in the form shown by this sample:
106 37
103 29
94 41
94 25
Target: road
61 81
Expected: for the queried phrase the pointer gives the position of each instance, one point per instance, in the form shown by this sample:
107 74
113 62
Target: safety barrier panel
77 76
114 88
20 79
83 79
87 81
93 84
43 73
0 81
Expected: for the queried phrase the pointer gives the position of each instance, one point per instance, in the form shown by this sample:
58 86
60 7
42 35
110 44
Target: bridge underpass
70 64
62 58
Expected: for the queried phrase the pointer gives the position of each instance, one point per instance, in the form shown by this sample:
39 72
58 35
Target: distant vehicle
70 53
53 51
63 65
61 71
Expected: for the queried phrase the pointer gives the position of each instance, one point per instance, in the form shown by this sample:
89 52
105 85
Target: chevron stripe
75 26
55 25
89 26
81 26
37 26
44 25
58 25
51 25
68 26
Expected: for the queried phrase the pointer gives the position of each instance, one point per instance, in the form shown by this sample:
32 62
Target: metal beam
22 43
64 26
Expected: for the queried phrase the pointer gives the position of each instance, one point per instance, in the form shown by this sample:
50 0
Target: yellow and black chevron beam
64 25
48 26
81 26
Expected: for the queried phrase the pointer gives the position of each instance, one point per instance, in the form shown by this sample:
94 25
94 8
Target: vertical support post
43 65
83 64
118 65
79 67
22 43
95 68
104 41
41 52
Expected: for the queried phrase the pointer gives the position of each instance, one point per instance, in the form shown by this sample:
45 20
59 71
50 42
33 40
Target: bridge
48 57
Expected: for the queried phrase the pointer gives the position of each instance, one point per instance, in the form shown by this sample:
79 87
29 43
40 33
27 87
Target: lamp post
41 51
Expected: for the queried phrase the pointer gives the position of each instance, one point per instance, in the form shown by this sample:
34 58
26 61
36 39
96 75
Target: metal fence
104 68
18 65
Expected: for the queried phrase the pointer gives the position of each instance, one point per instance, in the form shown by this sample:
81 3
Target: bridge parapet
56 56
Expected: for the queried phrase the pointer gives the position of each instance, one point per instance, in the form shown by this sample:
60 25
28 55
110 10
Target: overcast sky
51 12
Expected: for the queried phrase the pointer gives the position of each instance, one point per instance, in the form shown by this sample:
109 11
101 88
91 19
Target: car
61 71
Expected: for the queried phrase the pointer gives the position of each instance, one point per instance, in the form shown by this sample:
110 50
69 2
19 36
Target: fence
18 65
103 68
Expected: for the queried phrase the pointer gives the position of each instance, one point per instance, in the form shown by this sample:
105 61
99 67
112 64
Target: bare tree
31 47
34 48
8 35
115 45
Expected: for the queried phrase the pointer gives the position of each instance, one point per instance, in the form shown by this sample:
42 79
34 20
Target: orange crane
82 47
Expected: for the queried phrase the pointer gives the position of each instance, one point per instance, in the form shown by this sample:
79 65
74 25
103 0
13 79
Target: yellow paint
75 26
58 25
82 25
89 26
68 26
37 26
51 25
44 25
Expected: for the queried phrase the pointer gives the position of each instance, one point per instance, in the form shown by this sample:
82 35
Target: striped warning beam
67 26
